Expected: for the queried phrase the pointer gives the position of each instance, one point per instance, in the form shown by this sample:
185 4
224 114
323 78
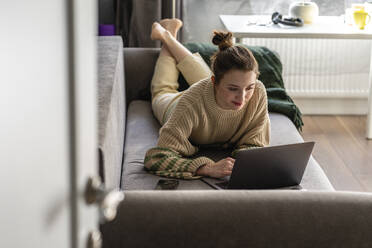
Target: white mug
308 11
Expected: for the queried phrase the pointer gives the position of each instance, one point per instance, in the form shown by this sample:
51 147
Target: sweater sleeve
169 163
169 158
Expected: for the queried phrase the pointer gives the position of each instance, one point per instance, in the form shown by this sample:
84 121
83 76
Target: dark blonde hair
230 57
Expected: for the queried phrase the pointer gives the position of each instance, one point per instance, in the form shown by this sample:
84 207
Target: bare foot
157 31
172 25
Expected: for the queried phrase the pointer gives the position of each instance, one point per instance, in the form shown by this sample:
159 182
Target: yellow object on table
361 18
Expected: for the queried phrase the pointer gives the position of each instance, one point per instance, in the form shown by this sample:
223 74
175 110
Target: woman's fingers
229 166
230 163
230 159
223 167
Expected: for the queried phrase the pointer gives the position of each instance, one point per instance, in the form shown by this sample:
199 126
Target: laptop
271 167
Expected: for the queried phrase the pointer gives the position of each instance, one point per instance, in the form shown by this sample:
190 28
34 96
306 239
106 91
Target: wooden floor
342 150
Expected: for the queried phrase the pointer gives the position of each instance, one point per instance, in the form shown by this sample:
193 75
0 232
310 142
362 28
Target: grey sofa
122 166
195 215
142 128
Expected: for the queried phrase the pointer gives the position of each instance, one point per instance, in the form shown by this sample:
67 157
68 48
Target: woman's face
235 89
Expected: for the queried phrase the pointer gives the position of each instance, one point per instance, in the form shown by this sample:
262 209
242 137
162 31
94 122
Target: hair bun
222 39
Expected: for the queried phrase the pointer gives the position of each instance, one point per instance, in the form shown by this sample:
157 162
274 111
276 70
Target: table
324 27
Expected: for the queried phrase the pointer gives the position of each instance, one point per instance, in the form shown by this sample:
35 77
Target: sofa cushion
139 69
142 134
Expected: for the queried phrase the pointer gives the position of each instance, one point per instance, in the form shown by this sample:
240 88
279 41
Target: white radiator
322 68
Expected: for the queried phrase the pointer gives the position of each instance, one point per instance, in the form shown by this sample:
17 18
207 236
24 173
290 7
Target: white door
48 122
82 15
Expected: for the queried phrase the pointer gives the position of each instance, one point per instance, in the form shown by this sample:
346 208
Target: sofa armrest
111 109
241 219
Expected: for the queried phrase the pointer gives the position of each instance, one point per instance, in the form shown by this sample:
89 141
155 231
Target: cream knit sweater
198 120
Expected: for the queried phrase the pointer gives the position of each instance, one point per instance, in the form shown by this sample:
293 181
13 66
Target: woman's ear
213 79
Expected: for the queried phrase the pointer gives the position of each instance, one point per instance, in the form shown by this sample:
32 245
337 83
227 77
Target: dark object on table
277 18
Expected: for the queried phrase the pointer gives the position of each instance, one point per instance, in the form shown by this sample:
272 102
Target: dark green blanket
270 68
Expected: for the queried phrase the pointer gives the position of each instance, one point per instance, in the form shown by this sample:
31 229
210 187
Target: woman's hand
219 169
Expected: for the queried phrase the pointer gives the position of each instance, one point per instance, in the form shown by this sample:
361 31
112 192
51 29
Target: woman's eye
232 89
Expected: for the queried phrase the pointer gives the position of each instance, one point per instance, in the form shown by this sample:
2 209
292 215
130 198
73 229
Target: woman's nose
240 95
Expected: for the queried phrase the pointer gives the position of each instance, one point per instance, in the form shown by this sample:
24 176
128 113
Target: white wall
33 127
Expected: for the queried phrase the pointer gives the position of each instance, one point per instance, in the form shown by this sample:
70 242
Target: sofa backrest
242 218
139 68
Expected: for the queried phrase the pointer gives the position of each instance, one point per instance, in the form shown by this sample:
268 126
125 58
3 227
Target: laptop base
225 184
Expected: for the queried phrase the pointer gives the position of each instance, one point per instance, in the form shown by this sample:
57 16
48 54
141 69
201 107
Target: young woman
227 108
